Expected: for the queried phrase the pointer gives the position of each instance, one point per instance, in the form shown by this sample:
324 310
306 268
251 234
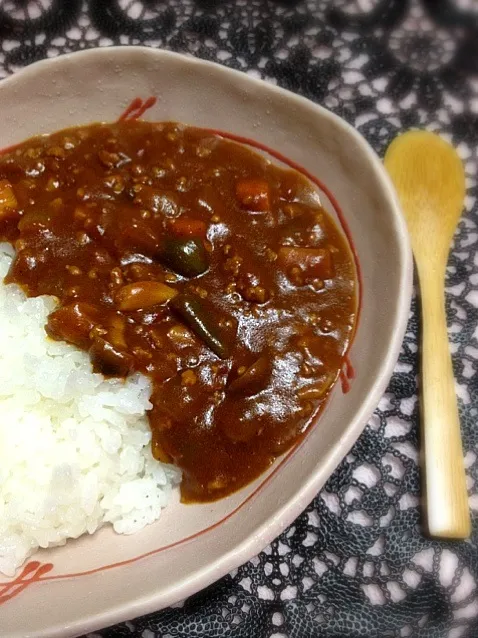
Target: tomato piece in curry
187 257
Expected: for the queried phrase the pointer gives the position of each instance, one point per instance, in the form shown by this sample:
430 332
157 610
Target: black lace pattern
355 564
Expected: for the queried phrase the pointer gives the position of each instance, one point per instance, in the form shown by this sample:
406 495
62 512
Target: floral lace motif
355 563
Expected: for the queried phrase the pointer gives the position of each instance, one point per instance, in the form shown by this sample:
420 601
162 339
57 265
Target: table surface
355 564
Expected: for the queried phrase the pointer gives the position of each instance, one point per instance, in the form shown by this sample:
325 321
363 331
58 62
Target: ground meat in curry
187 257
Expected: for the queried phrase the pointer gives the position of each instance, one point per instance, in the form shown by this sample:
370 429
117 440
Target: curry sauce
187 257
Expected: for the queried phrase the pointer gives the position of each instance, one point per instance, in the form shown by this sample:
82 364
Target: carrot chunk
307 264
253 194
188 227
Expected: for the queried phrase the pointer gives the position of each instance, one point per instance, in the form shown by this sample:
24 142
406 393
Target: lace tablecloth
355 564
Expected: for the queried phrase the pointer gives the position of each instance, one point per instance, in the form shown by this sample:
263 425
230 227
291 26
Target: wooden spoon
429 178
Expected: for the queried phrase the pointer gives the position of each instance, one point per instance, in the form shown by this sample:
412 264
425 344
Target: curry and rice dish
210 278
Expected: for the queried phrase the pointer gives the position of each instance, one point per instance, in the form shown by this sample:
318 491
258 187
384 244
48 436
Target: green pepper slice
186 256
199 319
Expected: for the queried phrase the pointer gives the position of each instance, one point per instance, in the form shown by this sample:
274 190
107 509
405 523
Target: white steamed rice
74 447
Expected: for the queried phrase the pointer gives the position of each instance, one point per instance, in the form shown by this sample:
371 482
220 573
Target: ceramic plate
103 579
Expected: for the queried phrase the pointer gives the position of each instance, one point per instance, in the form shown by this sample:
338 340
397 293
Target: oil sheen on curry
187 257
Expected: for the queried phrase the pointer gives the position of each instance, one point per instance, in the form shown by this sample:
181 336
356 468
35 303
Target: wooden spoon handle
445 482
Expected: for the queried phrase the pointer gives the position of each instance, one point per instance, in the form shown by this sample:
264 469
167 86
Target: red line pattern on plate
135 110
347 374
33 572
